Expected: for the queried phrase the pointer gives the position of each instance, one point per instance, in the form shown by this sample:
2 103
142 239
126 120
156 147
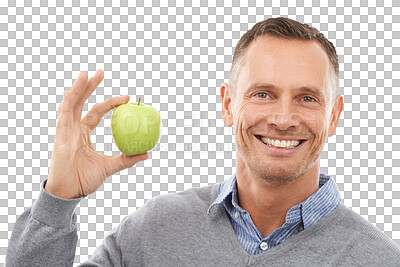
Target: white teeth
278 143
295 143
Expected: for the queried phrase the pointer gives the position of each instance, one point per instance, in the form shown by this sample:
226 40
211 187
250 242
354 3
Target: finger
121 162
95 115
65 118
90 86
77 87
59 109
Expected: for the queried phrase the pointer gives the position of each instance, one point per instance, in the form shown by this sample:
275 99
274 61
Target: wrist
50 189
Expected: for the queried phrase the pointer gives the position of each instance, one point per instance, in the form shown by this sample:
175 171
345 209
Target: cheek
318 125
242 118
316 120
314 123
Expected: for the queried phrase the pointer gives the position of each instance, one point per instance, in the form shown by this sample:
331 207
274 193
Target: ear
226 100
335 114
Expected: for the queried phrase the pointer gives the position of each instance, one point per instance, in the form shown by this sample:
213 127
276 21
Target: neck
268 204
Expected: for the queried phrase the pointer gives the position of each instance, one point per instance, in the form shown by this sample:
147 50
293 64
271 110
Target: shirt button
236 215
264 245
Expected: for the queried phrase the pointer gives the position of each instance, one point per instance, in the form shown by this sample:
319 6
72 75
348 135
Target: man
276 210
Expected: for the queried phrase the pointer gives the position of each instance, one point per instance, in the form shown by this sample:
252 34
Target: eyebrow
305 89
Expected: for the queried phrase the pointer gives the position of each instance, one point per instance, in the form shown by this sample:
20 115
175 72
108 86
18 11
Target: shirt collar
226 187
326 197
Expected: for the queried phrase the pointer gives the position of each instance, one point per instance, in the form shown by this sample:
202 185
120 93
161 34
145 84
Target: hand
77 169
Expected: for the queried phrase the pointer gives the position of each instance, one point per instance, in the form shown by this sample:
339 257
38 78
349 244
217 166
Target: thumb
121 162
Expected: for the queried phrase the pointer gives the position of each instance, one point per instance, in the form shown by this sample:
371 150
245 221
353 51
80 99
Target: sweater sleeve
45 234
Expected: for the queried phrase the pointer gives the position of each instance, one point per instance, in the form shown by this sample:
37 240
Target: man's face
282 93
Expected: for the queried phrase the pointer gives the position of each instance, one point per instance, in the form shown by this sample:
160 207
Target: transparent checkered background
175 55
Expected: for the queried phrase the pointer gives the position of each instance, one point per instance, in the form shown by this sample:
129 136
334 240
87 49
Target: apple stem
138 102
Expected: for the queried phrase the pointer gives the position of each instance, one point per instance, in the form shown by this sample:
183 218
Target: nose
283 115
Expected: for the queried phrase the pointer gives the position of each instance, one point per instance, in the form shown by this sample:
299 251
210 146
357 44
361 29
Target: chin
278 179
279 174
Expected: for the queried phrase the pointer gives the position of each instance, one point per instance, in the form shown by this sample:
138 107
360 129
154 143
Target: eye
308 99
262 95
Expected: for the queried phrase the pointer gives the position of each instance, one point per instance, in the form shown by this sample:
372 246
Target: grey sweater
175 230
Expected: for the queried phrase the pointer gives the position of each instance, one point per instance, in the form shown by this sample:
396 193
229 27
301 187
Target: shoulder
368 231
172 207
191 199
362 238
164 219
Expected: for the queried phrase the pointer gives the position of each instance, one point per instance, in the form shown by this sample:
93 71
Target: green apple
136 128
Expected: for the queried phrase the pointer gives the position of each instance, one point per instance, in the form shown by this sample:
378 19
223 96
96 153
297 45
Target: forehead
285 63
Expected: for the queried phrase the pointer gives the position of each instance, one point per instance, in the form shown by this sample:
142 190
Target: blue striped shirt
299 217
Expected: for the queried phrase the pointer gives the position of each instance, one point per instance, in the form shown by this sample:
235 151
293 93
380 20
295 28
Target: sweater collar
314 207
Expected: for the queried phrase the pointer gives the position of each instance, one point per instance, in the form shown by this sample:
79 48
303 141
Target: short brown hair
288 29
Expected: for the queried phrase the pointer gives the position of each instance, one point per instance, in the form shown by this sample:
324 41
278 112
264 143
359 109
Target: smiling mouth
279 143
